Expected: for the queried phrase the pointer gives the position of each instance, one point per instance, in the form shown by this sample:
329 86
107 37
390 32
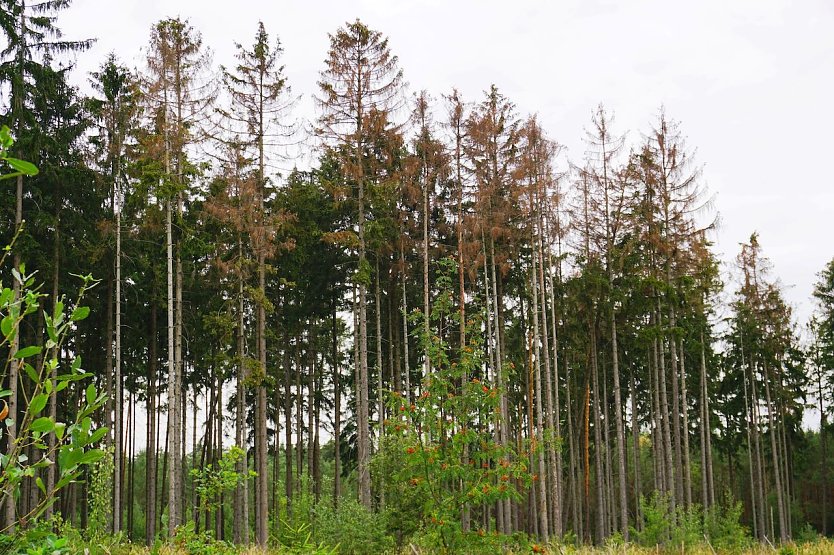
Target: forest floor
818 547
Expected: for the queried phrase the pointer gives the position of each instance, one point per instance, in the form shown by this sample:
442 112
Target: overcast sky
752 83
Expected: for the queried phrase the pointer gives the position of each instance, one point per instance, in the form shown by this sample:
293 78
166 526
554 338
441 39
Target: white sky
751 81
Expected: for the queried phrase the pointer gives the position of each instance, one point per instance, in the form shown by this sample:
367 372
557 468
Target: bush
353 528
188 541
693 527
722 526
441 453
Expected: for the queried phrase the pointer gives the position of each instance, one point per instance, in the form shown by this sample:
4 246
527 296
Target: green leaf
30 371
41 487
91 456
58 312
60 427
43 425
6 139
24 167
38 403
66 479
6 325
91 394
25 352
80 313
97 435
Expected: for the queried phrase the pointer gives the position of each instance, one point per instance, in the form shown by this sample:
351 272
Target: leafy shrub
298 538
352 527
693 527
446 458
656 521
806 534
478 542
723 527
188 541
99 497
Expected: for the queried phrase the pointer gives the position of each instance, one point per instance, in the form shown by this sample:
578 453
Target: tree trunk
117 428
406 369
173 433
240 529
288 480
638 474
666 424
14 366
542 483
337 414
687 477
704 417
599 474
150 450
574 459
775 451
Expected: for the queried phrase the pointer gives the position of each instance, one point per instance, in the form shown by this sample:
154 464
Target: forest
441 335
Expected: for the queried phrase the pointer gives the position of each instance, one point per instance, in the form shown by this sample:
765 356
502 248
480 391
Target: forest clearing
369 318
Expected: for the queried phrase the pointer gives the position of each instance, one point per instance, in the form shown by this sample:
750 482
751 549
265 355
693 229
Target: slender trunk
554 466
824 462
219 512
599 470
261 445
108 375
759 459
406 368
676 414
499 360
775 451
299 418
586 442
117 429
150 450
317 423
426 306
311 380
14 345
379 394
708 416
574 458
687 477
466 512
131 462
666 424
288 479
240 530
758 529
173 432
542 493
276 443
492 375
638 469
704 417
607 459
337 414
618 418
53 399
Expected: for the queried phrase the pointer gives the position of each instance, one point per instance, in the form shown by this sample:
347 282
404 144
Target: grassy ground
818 547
